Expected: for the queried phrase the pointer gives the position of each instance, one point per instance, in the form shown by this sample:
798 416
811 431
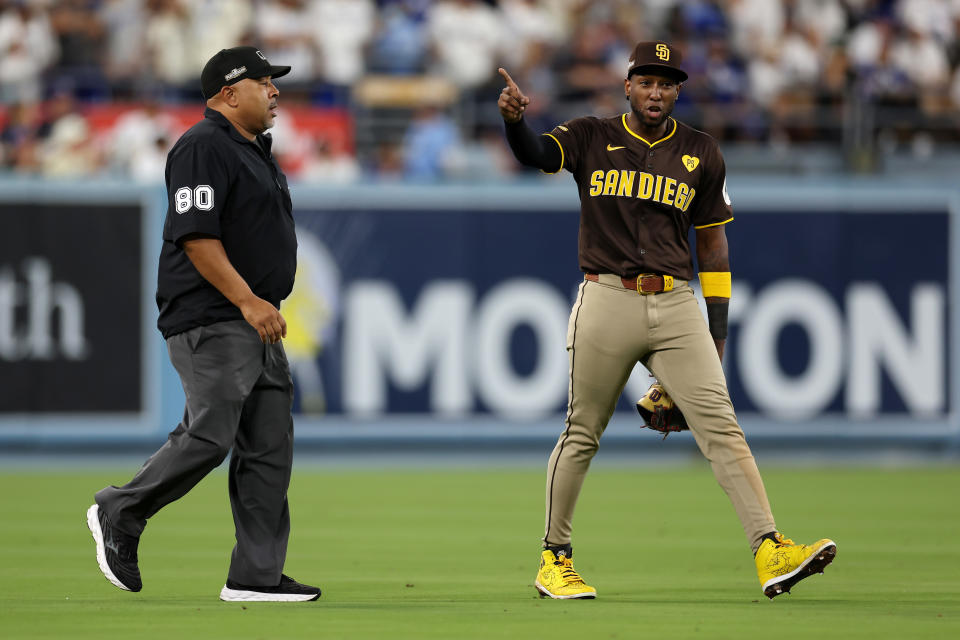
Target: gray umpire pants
239 395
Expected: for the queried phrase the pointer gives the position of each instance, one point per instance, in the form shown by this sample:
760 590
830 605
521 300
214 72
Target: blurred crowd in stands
105 86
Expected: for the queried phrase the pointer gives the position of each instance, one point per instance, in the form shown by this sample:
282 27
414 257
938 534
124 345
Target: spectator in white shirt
466 37
169 42
216 25
341 30
283 27
28 46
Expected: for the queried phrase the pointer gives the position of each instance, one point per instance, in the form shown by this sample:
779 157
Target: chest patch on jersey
690 162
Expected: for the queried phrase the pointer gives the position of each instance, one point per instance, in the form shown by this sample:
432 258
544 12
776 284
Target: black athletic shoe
289 590
116 551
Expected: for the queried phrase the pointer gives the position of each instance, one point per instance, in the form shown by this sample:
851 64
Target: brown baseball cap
229 66
658 58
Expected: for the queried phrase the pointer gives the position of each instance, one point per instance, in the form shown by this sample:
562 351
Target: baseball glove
659 413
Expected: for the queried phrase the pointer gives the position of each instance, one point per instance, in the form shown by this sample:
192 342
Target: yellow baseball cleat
557 579
783 564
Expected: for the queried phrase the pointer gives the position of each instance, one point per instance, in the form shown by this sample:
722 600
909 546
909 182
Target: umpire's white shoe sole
93 523
238 595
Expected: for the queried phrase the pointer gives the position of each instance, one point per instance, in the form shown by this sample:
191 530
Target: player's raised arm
529 148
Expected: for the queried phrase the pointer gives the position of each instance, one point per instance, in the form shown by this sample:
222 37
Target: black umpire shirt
219 184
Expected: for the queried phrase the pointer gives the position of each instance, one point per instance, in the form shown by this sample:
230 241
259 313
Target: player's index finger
506 76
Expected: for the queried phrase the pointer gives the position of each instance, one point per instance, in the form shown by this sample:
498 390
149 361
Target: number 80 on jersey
200 197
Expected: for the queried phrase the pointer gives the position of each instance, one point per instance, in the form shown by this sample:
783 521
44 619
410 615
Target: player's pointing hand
512 102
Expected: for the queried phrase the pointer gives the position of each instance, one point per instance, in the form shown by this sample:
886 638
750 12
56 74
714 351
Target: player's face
651 98
257 103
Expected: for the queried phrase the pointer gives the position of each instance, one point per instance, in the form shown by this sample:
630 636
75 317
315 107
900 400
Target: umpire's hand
512 102
264 317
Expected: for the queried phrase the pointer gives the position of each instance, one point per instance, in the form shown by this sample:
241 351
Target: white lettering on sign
381 340
515 303
458 347
460 351
28 311
879 340
849 348
791 302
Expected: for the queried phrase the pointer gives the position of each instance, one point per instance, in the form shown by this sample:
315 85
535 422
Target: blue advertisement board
458 312
840 312
421 310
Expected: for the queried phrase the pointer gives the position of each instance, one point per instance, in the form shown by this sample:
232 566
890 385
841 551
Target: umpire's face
255 106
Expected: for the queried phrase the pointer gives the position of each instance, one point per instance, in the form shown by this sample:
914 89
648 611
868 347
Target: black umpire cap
658 58
229 66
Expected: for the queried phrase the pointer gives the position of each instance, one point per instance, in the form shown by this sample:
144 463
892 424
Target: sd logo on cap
658 58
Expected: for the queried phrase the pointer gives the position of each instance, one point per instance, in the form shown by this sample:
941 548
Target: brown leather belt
644 284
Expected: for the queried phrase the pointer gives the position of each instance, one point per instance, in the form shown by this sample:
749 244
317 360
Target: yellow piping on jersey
644 140
715 224
550 135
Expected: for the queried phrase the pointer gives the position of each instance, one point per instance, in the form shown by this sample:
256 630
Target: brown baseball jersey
639 197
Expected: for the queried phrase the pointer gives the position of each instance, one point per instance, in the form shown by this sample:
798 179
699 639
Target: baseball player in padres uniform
644 179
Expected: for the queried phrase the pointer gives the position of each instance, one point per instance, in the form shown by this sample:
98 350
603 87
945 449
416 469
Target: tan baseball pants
611 329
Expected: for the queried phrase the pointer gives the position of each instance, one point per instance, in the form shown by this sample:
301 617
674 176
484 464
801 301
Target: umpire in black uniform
229 257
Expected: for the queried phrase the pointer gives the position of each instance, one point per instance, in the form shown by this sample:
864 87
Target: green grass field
449 554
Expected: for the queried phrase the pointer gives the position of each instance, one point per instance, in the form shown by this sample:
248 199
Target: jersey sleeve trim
713 224
550 135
